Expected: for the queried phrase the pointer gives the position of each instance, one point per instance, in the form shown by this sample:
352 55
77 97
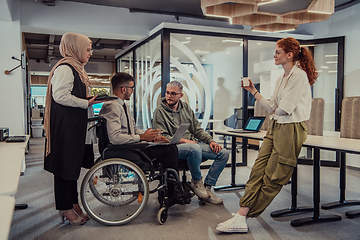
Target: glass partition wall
210 66
147 81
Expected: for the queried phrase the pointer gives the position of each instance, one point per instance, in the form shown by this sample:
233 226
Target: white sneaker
199 188
236 224
212 197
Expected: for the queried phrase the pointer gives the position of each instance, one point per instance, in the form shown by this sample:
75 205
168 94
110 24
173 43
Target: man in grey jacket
195 144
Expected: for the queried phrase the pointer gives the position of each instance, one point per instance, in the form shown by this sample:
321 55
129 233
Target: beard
172 104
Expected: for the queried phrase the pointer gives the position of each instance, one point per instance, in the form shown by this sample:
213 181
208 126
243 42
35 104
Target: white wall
11 86
5 10
344 23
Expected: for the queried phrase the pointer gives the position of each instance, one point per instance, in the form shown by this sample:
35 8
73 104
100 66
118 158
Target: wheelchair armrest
93 119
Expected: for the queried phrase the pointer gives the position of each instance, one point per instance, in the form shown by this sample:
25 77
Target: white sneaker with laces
199 188
212 197
236 224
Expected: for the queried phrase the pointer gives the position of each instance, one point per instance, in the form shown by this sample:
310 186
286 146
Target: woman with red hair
290 107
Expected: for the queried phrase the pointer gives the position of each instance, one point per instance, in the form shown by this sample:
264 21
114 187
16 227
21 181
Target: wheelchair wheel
99 159
162 215
114 191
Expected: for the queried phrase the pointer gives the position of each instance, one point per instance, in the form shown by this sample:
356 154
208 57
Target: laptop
177 136
252 125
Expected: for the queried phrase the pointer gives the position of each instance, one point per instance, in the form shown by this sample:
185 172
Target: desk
11 160
6 212
245 137
16 145
343 145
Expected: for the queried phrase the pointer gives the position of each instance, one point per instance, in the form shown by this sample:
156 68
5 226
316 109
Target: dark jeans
65 193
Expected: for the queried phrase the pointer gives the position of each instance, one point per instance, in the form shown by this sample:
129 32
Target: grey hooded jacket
169 121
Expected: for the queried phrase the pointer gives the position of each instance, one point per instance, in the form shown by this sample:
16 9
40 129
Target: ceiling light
333 71
319 71
188 38
106 81
331 55
231 40
285 30
258 43
308 45
254 30
259 4
185 42
219 16
310 11
201 52
324 67
331 62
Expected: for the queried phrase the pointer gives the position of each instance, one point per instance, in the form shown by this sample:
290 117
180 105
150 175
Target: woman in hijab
68 144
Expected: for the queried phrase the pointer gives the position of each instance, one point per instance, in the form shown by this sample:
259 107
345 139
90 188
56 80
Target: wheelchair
115 190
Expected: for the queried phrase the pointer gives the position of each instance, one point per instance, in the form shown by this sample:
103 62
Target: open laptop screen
254 123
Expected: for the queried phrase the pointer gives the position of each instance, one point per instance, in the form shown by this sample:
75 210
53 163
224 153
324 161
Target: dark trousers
66 193
166 154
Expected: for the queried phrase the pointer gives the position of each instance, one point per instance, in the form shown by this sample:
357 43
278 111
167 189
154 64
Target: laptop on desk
252 125
177 136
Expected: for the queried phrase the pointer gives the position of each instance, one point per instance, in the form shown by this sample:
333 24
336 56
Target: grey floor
193 221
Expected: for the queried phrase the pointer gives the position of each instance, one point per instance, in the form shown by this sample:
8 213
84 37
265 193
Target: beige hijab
72 48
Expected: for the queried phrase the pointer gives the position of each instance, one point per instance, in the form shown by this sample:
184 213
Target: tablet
104 97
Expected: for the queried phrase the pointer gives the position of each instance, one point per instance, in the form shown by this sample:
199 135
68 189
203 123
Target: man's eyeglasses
173 94
132 88
89 50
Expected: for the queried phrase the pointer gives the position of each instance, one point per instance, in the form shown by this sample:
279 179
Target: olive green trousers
274 165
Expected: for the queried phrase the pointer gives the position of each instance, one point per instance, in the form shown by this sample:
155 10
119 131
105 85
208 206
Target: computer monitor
97 107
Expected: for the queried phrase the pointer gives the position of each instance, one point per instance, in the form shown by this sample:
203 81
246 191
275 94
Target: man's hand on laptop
160 139
151 134
183 140
215 147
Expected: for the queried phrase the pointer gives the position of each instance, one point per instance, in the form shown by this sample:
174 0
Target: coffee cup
245 81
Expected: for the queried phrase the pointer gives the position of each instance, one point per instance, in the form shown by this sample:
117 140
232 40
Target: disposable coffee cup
245 81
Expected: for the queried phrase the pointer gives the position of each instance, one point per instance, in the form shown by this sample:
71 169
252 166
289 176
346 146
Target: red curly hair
302 55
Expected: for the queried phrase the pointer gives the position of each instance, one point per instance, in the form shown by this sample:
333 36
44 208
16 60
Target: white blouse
62 84
292 94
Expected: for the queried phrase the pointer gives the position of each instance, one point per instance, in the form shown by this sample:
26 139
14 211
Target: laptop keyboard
15 139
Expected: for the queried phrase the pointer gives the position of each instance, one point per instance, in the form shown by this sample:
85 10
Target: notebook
177 136
252 125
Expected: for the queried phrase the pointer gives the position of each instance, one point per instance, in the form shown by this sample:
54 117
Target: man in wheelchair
122 131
